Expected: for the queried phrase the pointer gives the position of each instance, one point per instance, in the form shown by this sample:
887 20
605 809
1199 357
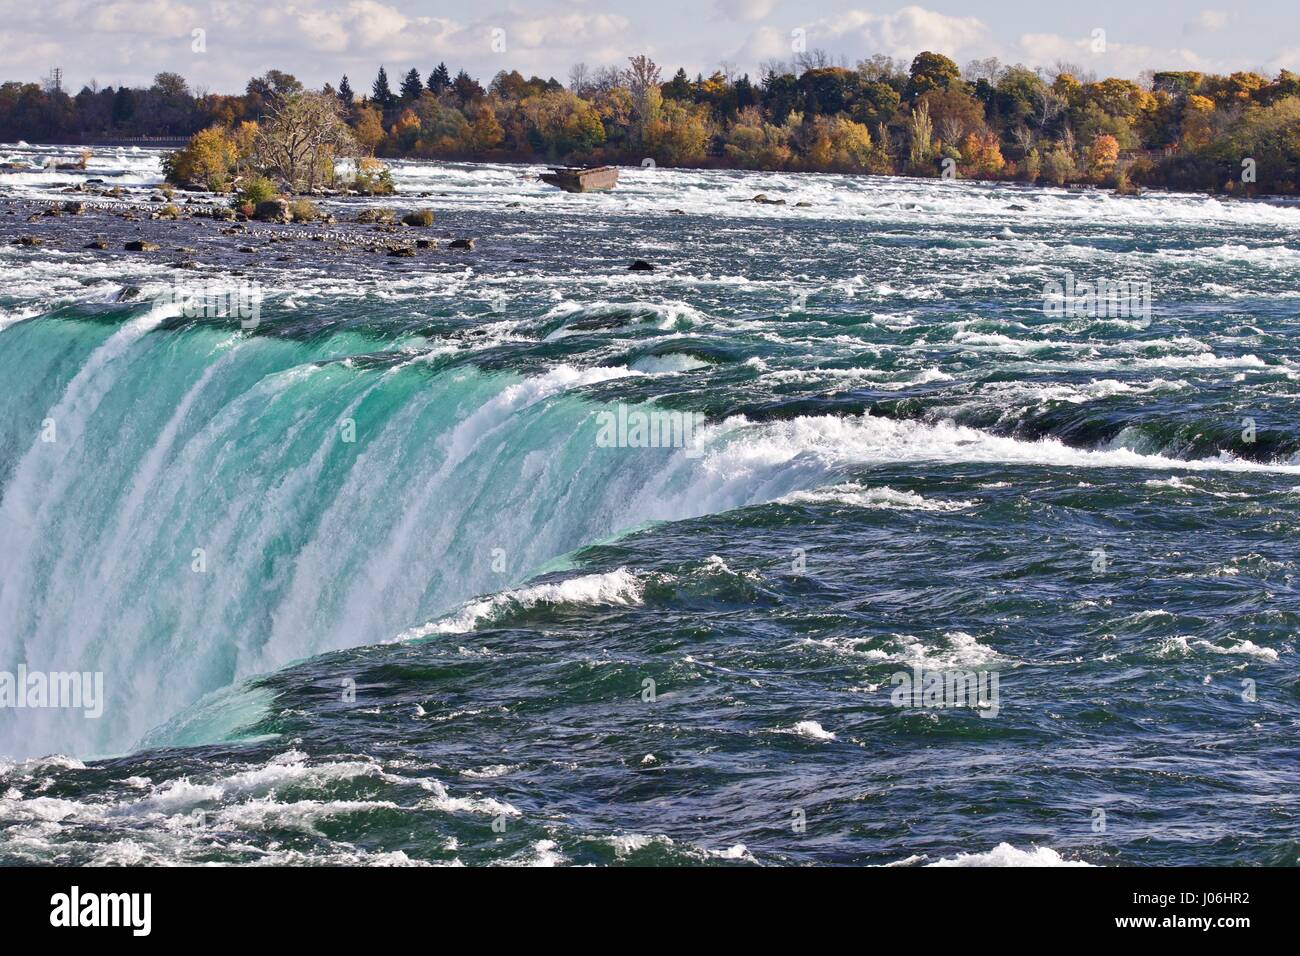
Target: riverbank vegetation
1175 129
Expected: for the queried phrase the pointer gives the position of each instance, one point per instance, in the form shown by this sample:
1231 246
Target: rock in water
376 215
640 265
141 245
273 210
461 244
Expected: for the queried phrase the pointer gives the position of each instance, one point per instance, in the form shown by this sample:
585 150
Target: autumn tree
1102 156
207 161
954 113
642 79
754 143
921 133
1058 164
486 132
368 128
678 134
931 71
304 133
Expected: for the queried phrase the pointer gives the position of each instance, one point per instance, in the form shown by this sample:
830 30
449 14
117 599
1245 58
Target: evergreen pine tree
439 80
381 93
412 86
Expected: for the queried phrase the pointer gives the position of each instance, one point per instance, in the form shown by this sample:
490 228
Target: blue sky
116 41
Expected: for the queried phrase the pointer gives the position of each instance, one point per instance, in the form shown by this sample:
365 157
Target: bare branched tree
880 68
1023 137
641 74
606 78
813 60
579 79
951 128
1048 105
1080 73
987 69
301 137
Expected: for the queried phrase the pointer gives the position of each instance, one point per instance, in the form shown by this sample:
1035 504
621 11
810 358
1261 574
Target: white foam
1183 646
1004 854
884 497
868 439
612 588
812 730
958 651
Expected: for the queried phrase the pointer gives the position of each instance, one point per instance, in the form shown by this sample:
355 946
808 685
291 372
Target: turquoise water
365 584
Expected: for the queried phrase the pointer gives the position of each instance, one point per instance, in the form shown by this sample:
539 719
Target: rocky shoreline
196 234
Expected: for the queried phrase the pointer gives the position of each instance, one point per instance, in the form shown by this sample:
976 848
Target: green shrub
373 179
304 210
421 217
255 190
1058 166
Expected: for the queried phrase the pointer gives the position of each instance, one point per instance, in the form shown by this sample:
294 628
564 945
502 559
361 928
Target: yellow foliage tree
1196 122
368 128
754 143
206 161
679 136
981 155
1103 154
486 132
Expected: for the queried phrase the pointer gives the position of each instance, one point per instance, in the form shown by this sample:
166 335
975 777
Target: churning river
368 580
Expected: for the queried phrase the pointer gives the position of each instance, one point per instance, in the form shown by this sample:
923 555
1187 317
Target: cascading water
212 505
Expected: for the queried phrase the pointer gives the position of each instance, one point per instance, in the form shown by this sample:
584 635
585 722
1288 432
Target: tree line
1169 129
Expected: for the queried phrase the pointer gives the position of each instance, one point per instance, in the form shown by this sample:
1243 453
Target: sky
219 44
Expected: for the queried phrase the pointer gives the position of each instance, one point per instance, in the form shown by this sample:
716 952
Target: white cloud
1116 59
119 41
904 33
858 33
745 10
1207 21
150 18
567 30
316 39
1288 59
765 43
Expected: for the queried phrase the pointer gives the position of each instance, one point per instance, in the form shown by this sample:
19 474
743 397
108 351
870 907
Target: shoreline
204 242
